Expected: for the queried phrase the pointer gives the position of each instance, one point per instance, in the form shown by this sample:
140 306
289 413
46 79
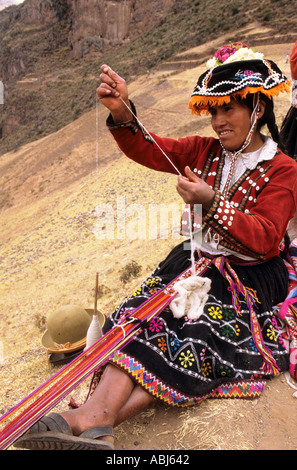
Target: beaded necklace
233 156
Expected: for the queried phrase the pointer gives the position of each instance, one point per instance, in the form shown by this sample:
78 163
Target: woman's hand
111 89
194 190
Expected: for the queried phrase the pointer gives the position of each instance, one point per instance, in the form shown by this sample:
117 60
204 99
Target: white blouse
248 160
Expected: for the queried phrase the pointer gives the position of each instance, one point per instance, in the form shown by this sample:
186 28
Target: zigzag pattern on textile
242 389
248 389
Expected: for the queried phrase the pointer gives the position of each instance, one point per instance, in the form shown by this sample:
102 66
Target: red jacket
293 62
254 219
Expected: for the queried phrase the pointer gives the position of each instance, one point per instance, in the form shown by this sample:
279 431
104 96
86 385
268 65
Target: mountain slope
47 85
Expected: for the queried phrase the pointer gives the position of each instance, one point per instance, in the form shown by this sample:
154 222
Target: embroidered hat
234 71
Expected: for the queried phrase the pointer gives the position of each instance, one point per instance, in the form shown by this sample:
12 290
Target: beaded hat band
236 72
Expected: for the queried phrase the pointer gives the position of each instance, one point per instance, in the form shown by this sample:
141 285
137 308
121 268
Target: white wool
191 297
94 332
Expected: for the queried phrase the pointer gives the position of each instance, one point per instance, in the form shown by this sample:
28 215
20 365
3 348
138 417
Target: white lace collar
249 160
264 153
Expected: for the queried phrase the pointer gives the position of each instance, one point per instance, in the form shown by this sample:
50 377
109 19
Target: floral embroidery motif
156 325
228 314
174 344
153 282
202 354
227 331
186 360
206 369
224 371
137 292
252 345
271 334
215 312
162 344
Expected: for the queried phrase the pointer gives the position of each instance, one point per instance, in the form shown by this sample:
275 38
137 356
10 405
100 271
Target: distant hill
50 50
8 3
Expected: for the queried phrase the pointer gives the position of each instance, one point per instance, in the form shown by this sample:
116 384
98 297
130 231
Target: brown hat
67 328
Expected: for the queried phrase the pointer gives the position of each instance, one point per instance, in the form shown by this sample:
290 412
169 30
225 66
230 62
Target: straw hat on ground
67 329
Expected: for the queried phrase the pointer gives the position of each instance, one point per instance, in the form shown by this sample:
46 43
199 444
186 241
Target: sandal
52 432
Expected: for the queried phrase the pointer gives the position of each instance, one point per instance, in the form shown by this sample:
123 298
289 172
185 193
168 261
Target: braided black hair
268 117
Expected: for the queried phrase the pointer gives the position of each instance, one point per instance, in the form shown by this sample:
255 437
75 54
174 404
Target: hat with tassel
236 70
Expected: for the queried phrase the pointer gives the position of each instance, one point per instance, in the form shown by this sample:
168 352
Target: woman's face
232 123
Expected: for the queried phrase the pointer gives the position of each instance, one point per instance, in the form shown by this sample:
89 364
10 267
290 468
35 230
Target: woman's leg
115 399
138 401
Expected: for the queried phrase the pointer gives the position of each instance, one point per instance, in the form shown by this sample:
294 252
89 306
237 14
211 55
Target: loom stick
20 418
96 294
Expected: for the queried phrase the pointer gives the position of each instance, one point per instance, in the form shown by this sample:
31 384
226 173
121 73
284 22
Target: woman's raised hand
112 88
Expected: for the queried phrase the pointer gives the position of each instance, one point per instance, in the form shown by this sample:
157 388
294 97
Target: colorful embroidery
224 371
227 331
215 312
160 390
271 333
162 344
186 359
174 344
156 325
240 389
206 369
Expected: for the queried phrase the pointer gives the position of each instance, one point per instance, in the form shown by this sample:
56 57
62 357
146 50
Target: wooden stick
96 293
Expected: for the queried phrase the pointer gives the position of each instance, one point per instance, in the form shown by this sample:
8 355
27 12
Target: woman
247 190
288 133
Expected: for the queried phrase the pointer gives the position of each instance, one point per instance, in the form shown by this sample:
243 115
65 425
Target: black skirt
288 133
182 361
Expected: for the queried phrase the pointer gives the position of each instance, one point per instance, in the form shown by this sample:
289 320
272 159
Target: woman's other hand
194 190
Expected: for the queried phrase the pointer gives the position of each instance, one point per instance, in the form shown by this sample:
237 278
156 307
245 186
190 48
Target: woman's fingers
108 76
105 90
194 190
112 85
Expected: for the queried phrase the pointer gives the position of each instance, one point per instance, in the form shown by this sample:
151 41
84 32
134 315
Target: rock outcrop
100 24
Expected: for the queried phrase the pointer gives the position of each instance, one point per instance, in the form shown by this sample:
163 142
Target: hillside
51 50
50 254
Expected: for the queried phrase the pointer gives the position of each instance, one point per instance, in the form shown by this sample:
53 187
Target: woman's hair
268 117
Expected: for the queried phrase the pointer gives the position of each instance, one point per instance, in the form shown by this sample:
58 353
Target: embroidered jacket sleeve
270 200
140 147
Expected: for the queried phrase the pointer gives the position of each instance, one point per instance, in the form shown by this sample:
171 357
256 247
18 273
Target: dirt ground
50 253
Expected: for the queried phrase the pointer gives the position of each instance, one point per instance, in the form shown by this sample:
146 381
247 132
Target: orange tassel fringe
200 104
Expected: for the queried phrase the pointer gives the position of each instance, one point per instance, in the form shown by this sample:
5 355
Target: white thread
178 172
126 323
140 123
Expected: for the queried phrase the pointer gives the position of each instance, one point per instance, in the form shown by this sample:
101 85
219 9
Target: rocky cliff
97 25
87 27
41 38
